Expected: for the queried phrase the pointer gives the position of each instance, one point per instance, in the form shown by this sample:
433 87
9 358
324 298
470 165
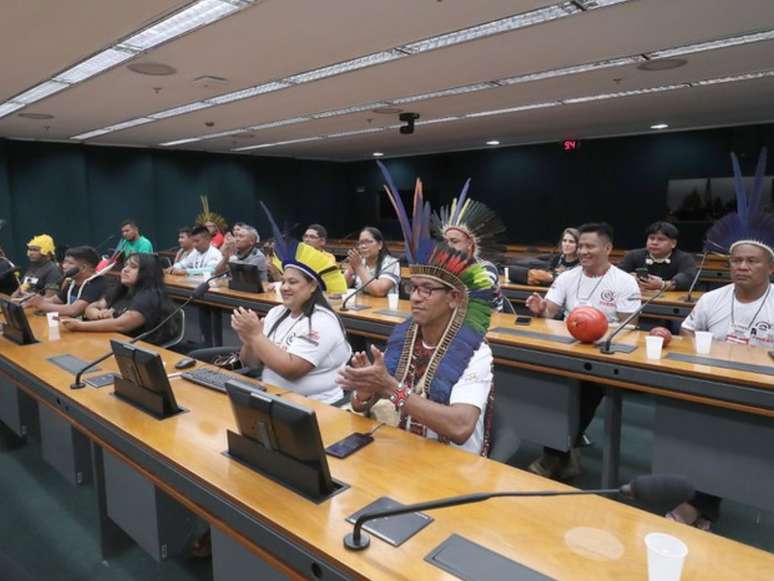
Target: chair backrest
505 440
181 335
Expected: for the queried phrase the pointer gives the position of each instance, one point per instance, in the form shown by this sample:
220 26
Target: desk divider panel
64 448
18 411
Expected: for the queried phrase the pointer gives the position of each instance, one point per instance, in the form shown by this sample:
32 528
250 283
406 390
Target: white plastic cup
53 319
393 300
278 290
666 556
653 346
702 341
506 274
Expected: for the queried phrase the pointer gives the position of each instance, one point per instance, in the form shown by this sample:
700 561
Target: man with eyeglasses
741 312
435 377
317 236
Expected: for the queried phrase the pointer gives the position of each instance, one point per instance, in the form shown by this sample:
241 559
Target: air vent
662 64
209 81
152 69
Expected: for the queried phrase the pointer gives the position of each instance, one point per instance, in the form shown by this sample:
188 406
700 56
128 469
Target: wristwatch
400 396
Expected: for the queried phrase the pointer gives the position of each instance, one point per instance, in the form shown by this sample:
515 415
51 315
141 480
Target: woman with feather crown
435 375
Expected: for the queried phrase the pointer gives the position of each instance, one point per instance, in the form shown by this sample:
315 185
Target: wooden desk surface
572 538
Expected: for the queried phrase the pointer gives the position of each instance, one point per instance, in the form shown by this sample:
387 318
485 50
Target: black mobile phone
349 445
523 320
100 380
642 273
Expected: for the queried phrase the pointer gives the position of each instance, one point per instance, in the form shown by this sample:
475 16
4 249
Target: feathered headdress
750 224
474 220
289 252
469 323
208 216
45 243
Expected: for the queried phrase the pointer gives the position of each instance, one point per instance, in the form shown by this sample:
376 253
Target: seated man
132 240
317 236
242 247
599 284
81 286
436 373
204 255
185 242
668 267
740 312
43 275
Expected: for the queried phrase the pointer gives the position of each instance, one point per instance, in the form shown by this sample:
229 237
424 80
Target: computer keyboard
214 379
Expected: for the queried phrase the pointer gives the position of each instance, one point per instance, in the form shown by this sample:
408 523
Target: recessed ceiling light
493 142
659 126
377 154
152 69
39 116
662 64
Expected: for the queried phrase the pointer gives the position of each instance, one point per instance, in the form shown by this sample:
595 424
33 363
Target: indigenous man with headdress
471 227
436 372
743 311
214 222
43 274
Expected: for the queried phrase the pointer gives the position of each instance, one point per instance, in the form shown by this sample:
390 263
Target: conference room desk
563 538
727 399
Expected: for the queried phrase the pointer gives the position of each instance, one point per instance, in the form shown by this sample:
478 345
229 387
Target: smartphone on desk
523 320
349 445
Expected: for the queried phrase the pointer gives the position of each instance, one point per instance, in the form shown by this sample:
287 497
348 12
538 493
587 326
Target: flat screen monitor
245 277
287 430
17 327
144 369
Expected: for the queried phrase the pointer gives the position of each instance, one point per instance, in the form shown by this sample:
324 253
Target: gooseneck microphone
354 294
198 293
606 347
666 489
689 297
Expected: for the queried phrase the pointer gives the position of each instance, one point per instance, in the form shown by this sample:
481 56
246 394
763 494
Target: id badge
738 334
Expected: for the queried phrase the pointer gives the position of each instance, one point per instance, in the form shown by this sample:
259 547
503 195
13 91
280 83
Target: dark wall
540 189
79 194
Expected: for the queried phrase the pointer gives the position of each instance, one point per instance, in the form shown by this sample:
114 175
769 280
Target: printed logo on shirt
607 298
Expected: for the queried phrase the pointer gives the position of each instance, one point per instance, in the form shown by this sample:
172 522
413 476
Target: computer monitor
287 445
245 277
17 327
143 380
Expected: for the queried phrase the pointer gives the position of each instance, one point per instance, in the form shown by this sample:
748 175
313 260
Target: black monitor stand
147 400
292 473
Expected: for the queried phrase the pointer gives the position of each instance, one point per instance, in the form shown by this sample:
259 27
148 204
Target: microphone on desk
198 293
606 346
666 489
689 298
354 294
104 242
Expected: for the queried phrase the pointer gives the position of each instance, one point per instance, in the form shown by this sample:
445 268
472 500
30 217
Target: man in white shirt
741 312
203 256
597 284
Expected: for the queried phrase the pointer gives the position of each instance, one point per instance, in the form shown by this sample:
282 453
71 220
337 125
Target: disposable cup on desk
666 556
653 346
393 300
53 319
702 341
506 274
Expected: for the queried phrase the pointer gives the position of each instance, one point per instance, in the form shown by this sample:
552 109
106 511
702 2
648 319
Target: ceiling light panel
180 142
713 45
202 13
288 142
604 96
733 79
509 24
584 68
514 109
357 132
181 110
349 110
39 92
445 93
94 65
247 93
281 123
345 67
9 107
116 127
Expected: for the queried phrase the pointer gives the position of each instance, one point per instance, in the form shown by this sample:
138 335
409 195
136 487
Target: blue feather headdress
750 224
467 326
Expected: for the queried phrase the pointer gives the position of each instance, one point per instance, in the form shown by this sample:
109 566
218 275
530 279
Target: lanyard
758 312
596 286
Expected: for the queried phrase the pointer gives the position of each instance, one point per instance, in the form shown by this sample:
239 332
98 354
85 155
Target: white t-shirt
390 270
196 259
753 323
473 389
612 293
324 346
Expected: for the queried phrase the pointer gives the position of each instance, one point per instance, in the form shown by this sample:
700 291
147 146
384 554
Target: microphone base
352 545
617 348
687 299
77 385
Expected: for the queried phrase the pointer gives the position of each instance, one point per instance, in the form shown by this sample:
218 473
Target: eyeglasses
423 291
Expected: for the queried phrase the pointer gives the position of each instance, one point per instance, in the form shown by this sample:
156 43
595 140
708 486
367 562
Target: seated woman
372 261
301 343
568 258
135 306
